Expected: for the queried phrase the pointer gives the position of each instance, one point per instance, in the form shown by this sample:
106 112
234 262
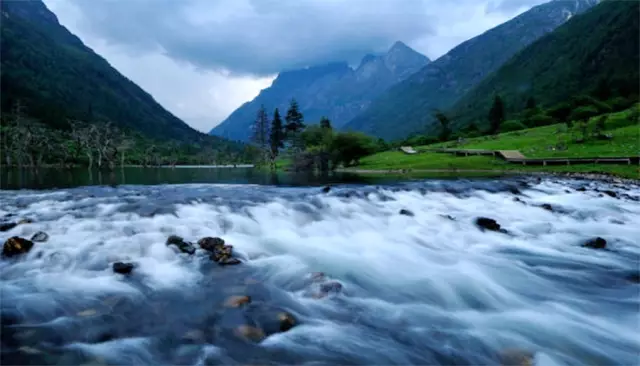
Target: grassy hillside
597 52
406 108
548 141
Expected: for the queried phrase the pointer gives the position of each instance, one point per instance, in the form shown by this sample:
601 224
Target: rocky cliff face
334 90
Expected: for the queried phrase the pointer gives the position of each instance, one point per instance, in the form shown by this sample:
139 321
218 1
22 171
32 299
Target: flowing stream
424 287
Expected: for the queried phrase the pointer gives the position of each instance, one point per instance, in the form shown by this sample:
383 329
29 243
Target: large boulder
182 245
16 246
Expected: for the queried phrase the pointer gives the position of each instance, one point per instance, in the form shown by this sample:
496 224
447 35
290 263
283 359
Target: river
356 279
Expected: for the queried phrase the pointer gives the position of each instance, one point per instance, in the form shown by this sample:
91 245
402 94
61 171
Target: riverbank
554 141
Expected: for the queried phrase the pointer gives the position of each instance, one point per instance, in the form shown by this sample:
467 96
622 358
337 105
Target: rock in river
15 246
595 243
40 236
211 244
122 268
184 246
485 223
406 212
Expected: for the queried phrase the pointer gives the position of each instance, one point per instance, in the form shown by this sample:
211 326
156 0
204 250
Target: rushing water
424 289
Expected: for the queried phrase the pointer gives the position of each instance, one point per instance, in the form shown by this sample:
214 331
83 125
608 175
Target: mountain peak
400 46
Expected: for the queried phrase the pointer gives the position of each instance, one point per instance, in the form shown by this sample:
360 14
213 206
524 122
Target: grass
547 141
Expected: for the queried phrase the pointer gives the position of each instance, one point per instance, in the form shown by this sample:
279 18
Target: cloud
201 59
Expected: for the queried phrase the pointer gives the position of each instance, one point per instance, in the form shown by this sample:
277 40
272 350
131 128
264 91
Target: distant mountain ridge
406 107
334 90
56 77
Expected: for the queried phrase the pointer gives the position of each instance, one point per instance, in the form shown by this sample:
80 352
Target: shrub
538 120
583 113
512 125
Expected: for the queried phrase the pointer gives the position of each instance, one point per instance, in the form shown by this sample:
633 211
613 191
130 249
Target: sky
202 59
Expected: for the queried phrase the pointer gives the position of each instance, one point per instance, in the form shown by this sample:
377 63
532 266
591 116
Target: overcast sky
201 59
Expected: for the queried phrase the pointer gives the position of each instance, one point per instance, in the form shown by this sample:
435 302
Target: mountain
56 77
406 107
599 46
334 90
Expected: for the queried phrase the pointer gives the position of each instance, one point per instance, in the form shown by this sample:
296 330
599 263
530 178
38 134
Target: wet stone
516 357
595 243
326 189
182 245
332 287
547 206
123 268
250 333
40 236
6 226
211 244
406 212
485 223
633 277
229 261
610 193
15 246
237 301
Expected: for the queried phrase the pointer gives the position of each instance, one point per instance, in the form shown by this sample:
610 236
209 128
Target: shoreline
591 176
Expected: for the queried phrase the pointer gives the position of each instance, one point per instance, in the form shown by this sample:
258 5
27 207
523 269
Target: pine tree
294 126
295 119
325 123
261 132
276 137
496 115
445 132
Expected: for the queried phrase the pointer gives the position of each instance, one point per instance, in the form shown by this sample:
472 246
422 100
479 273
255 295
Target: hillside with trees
407 107
588 66
52 83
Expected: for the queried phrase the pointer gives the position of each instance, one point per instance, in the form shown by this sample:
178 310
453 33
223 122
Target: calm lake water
51 178
394 273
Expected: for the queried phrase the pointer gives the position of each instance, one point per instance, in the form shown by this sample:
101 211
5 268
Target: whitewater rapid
427 288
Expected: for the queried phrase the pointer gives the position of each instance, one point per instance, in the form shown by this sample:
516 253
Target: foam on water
424 289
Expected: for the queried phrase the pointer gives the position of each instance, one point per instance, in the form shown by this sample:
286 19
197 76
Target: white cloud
201 59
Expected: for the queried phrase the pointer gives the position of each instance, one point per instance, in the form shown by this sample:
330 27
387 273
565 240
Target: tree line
575 113
26 142
314 147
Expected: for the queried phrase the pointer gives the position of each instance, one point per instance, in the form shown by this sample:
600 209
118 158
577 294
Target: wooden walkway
516 157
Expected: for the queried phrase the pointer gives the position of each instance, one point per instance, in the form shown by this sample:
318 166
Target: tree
496 115
294 125
276 137
602 90
295 119
325 123
445 131
531 103
261 134
349 147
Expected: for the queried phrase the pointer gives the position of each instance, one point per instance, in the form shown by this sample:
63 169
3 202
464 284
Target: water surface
424 289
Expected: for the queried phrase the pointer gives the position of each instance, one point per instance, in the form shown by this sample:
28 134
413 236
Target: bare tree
261 134
124 145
